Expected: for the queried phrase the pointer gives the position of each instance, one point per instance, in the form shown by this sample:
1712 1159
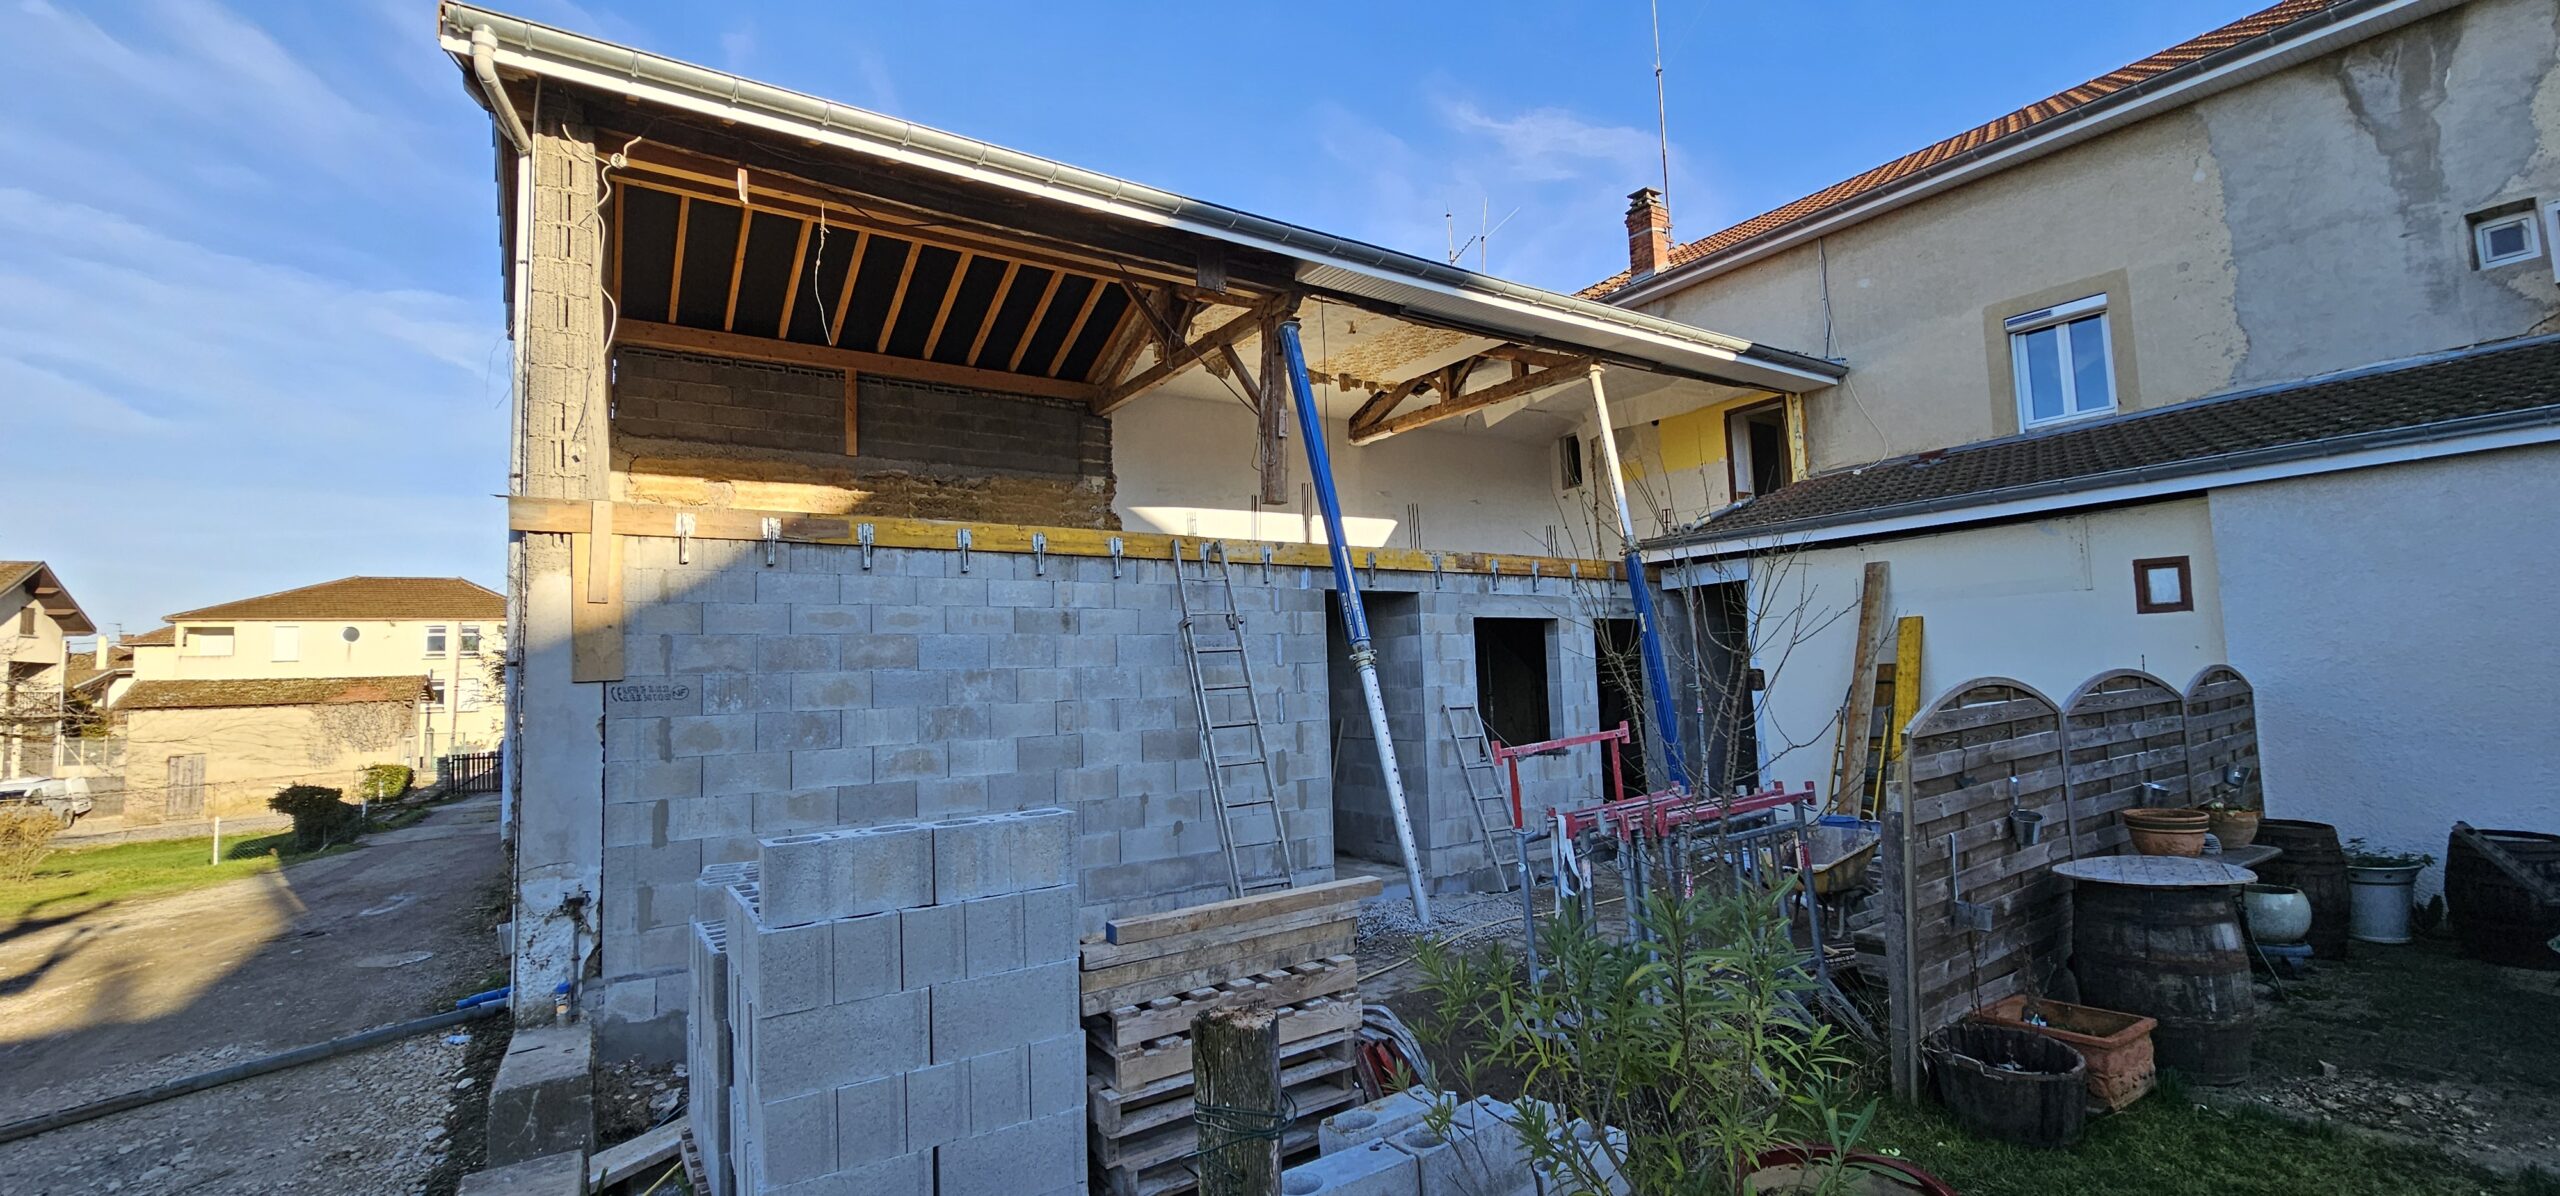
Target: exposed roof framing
1375 421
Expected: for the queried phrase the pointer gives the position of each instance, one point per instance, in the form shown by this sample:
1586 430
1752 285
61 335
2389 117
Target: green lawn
69 883
2167 1146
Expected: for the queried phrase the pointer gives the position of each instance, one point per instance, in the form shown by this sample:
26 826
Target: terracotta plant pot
2161 819
2236 828
2149 841
1788 1169
2116 1045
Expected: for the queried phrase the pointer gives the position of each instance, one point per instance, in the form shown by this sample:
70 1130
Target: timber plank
1145 927
1116 986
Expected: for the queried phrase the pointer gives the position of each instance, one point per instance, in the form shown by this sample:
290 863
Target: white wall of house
2396 624
2050 603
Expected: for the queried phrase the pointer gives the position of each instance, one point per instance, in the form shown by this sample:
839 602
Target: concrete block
1048 925
794 968
1035 1156
938 1102
931 945
831 766
802 730
999 1089
825 691
969 858
1481 1156
543 1099
871 1121
867 956
797 879
1366 1169
902 1175
919 762
990 1013
985 686
888 868
863 1040
992 934
1386 1116
757 772
798 1137
884 727
1043 846
563 1174
951 797
981 757
1057 1075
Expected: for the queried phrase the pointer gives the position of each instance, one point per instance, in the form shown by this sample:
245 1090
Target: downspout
484 68
1657 675
1355 617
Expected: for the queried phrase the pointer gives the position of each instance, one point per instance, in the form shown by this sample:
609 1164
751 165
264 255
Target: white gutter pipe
484 66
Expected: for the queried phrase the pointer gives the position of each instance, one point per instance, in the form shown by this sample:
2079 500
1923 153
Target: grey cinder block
988 1013
794 968
903 1175
871 1120
938 1103
796 875
889 868
861 1040
867 956
999 1089
1390 1114
1367 1169
992 934
931 945
1048 925
1033 1156
1057 1075
798 1138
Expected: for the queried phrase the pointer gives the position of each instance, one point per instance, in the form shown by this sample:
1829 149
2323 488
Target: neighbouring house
2237 354
231 702
38 618
855 464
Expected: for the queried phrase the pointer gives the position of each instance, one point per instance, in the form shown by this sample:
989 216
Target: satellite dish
349 635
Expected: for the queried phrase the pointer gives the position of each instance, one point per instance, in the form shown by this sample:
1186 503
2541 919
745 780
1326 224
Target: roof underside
835 236
291 691
2185 55
365 598
2473 390
48 593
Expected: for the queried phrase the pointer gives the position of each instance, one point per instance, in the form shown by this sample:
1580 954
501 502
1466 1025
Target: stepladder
1235 730
1486 793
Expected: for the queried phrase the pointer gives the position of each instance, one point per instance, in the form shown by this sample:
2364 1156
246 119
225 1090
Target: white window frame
2019 327
2551 234
436 693
228 637
467 694
437 641
467 638
284 643
2481 228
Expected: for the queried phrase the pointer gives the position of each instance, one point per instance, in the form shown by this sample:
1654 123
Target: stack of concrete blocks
1392 1147
709 1069
901 1012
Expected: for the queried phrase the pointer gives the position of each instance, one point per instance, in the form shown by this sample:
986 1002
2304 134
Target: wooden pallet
1118 1114
1175 1178
1152 1157
1132 1025
1130 1068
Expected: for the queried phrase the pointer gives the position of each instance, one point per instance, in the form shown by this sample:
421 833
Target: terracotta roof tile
289 691
2186 53
165 637
2520 379
364 598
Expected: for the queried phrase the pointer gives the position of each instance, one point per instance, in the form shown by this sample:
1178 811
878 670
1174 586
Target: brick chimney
1648 232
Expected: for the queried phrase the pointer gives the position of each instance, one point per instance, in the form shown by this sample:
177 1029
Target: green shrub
26 837
382 782
321 815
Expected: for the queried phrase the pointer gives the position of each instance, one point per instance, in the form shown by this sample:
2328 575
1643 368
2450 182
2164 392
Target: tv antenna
1482 242
1661 112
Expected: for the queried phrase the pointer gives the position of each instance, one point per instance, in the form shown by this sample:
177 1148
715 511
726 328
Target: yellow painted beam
1906 682
646 519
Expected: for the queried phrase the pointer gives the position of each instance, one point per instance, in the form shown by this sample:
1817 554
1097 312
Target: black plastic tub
2013 1085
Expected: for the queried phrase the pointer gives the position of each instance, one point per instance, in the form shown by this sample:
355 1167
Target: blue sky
250 330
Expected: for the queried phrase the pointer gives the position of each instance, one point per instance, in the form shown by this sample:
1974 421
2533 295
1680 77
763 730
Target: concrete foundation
543 1099
563 1174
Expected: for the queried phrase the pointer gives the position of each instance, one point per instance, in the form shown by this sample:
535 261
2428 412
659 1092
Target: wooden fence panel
2128 736
2222 733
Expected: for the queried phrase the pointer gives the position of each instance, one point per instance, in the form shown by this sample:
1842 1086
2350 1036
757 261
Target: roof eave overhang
1324 262
2292 45
2506 429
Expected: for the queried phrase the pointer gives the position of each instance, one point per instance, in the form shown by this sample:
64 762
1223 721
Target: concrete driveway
137 993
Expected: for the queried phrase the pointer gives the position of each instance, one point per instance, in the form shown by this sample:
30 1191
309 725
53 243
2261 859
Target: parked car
65 798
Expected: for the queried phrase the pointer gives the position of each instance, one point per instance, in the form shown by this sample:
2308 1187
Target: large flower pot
2235 828
2277 915
1789 1169
2378 902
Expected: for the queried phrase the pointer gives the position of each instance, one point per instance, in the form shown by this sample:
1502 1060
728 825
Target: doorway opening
1618 650
1511 679
1757 456
1364 827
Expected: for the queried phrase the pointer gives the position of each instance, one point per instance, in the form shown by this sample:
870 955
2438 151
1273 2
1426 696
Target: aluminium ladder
1485 793
1229 704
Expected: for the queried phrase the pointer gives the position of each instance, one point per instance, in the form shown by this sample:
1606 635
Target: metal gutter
1325 260
2389 446
2308 38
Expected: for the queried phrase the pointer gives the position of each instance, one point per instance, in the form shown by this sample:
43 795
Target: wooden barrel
2175 955
2496 914
2313 863
2011 1084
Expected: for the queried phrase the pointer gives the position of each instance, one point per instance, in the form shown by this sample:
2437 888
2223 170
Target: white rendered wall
2049 603
2397 625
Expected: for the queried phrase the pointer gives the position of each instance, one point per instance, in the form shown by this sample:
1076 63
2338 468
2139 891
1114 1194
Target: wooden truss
1530 371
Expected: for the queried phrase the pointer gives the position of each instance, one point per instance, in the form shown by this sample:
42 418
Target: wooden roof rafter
1167 366
1375 420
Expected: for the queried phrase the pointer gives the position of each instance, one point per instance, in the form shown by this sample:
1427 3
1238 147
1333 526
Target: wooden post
1849 785
1235 1067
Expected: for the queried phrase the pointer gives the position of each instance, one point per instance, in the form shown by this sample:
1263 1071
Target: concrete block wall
925 1045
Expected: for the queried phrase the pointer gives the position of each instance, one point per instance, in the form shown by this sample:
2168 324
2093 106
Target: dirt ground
2414 1041
140 993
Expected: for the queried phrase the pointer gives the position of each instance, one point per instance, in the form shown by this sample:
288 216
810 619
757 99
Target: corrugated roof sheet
364 598
2185 54
286 691
2515 378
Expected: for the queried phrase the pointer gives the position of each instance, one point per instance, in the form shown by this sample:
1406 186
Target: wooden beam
1384 401
758 348
618 298
1092 295
1525 355
675 273
791 295
1271 414
1163 371
1906 682
942 311
1126 336
1237 910
1849 781
737 270
1004 286
1453 406
1039 311
844 298
1799 458
898 297
852 402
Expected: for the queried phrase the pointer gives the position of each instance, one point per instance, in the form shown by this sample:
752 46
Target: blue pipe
1657 675
495 994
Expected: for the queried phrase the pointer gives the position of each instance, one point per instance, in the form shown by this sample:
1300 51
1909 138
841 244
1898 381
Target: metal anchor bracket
1435 570
865 535
1118 550
1373 569
1266 564
963 539
684 537
772 541
1039 554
